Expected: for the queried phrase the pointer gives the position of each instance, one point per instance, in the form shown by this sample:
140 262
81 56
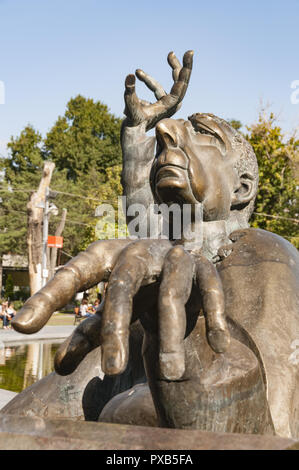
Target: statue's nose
168 138
167 133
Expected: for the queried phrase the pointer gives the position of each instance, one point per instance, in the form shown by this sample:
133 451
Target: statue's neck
210 236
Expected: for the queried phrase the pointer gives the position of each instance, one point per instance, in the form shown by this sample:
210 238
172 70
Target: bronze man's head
204 160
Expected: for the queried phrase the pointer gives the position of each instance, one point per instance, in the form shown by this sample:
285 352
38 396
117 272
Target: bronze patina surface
219 312
82 394
19 433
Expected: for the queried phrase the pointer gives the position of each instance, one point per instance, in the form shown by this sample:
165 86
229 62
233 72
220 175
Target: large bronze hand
139 111
128 266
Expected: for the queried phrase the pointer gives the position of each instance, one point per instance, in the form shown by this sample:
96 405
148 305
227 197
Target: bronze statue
219 315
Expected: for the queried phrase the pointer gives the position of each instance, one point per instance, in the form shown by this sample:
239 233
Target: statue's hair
246 163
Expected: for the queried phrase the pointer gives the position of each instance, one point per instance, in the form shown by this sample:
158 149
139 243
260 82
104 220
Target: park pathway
11 337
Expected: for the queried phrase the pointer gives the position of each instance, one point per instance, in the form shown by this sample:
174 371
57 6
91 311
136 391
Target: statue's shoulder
255 246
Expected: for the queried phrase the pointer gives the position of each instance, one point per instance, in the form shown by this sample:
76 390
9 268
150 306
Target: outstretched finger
151 83
85 338
209 284
175 65
133 108
169 103
174 292
180 86
72 351
82 272
141 260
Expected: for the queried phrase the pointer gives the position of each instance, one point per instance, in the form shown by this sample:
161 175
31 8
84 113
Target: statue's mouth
172 184
170 171
171 178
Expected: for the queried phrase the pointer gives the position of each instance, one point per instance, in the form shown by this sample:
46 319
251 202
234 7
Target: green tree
277 208
21 174
83 144
87 136
235 124
108 192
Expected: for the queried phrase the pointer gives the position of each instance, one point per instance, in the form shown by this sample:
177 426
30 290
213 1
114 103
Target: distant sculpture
220 311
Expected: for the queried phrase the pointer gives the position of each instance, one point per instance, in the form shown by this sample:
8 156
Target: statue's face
195 166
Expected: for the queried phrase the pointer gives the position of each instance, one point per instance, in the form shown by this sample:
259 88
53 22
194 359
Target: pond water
23 364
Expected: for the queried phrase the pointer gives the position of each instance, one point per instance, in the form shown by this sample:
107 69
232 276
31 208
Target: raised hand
139 111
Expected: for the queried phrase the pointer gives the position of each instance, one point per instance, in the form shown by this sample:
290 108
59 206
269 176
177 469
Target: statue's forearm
138 154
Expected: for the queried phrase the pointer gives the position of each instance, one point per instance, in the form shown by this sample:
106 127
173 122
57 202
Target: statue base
25 433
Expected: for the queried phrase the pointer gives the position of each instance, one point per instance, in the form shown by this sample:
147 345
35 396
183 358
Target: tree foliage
84 144
87 136
236 124
21 173
277 208
108 225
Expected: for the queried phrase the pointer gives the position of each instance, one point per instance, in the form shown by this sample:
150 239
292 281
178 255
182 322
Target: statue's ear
245 190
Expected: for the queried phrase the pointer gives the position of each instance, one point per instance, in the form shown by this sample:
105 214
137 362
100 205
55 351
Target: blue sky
52 50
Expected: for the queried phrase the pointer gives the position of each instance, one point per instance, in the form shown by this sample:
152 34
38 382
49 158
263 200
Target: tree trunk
54 250
35 229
